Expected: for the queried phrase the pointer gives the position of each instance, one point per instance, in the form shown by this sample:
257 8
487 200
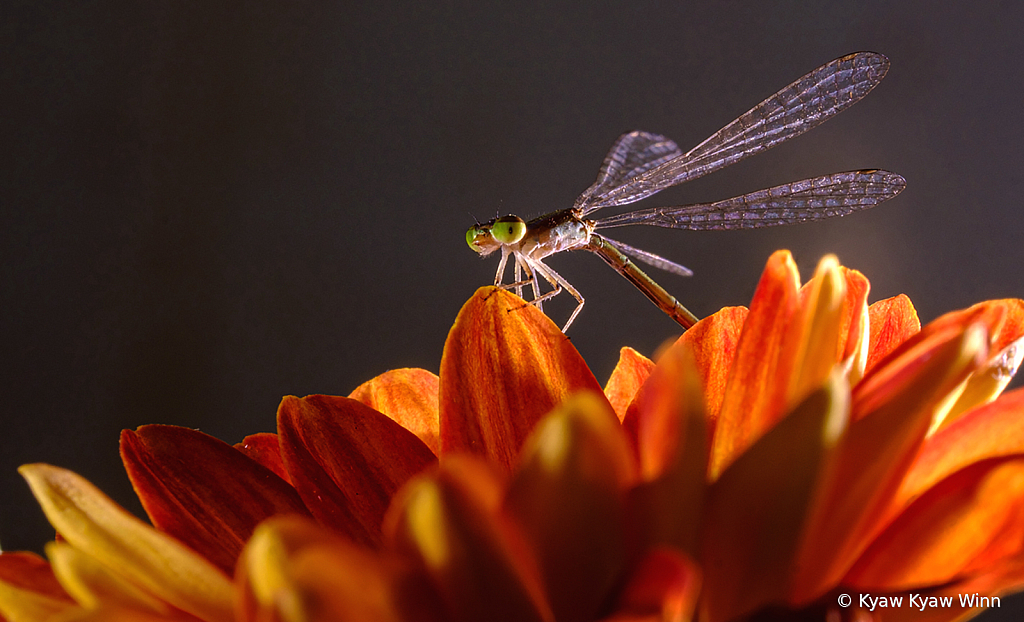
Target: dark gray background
207 207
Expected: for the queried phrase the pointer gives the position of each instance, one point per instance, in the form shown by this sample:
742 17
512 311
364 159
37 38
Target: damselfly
641 164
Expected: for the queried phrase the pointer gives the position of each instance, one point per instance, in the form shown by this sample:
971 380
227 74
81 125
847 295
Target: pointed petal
892 409
159 564
666 425
893 321
293 569
504 366
819 340
757 507
347 460
567 496
992 431
449 521
201 490
409 396
968 523
264 448
630 372
665 586
855 330
28 589
756 390
93 585
988 383
1004 320
713 343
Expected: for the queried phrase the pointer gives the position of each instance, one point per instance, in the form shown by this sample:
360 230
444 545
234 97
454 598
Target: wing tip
877 63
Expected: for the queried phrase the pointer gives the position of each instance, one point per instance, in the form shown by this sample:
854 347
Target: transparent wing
632 154
811 100
800 201
650 258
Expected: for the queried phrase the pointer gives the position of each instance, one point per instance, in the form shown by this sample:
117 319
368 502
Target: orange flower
771 461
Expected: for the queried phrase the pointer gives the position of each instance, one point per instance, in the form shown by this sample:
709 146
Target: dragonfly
641 164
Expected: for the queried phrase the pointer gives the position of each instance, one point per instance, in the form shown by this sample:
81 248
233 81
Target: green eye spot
508 229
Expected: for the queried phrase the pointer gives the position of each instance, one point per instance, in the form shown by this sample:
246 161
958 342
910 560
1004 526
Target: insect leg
558 283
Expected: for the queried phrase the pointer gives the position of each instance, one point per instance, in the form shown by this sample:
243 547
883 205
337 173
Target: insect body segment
640 164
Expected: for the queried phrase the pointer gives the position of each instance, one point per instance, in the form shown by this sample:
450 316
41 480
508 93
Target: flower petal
450 522
409 396
347 460
505 365
667 427
992 431
1004 320
756 390
969 522
854 328
201 490
94 585
567 496
713 343
630 372
821 340
263 447
755 511
988 382
892 409
293 569
28 589
665 586
159 564
892 321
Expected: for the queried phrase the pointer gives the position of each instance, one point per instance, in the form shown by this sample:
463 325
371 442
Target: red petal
658 421
201 490
665 586
263 448
1003 318
504 367
667 427
409 396
756 392
969 522
713 342
857 288
450 522
568 496
992 431
630 372
347 460
892 321
756 510
892 410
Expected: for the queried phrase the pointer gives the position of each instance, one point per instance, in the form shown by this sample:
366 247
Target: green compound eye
508 229
475 234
